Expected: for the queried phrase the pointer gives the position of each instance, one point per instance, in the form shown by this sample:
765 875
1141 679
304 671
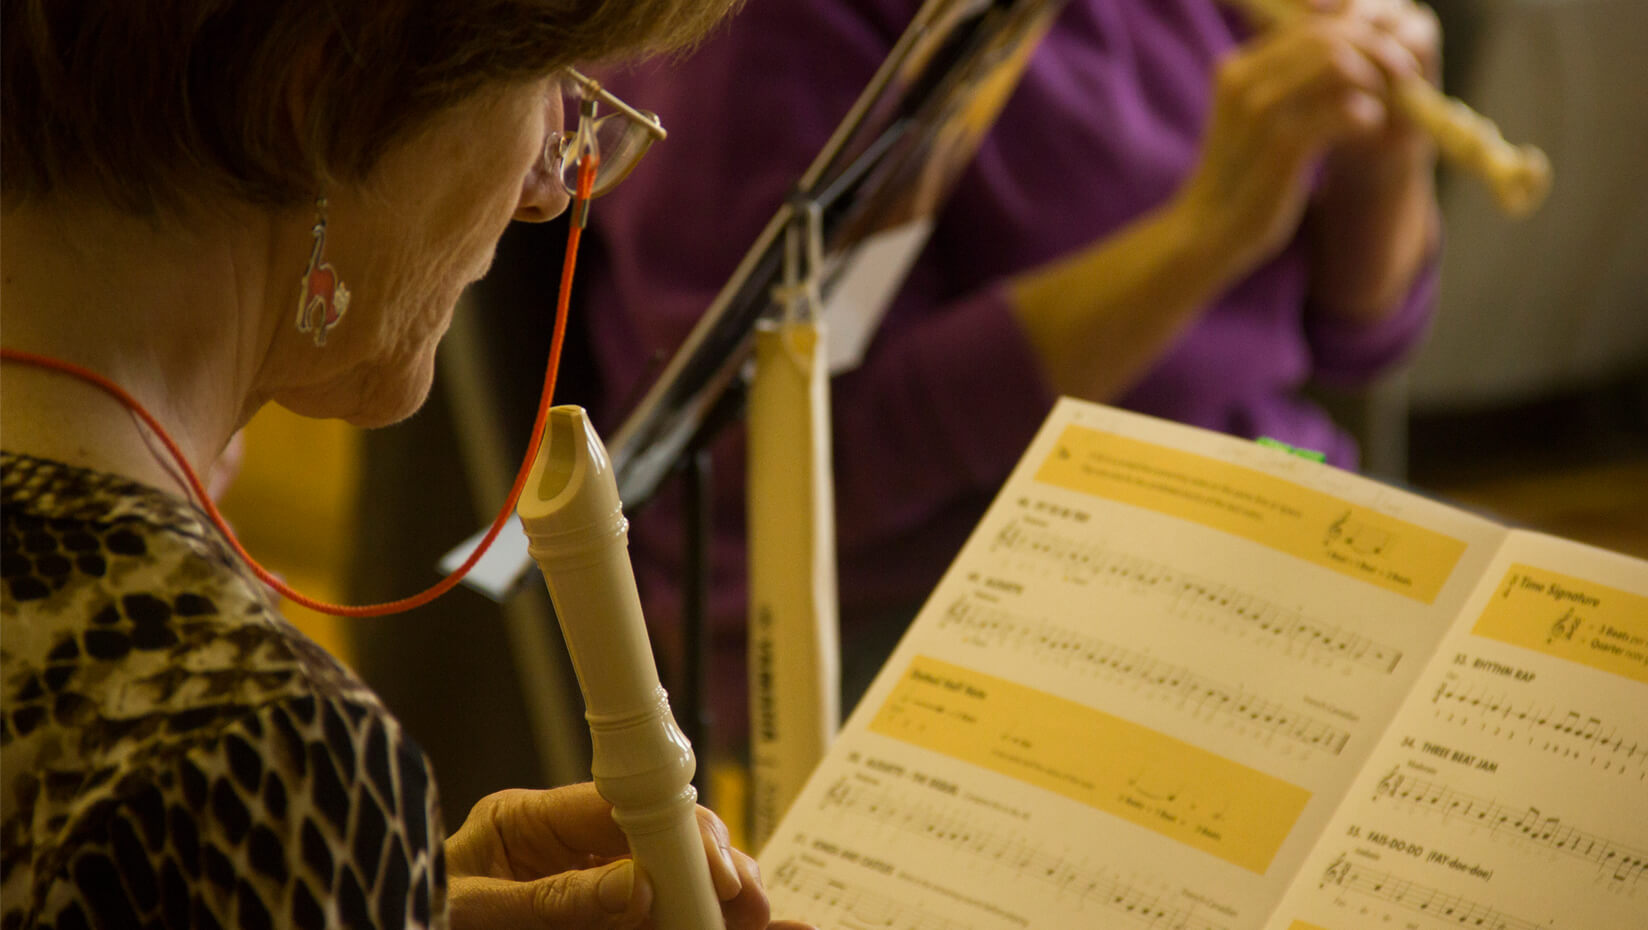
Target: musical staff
964 833
1196 797
804 890
991 627
1454 910
1616 862
1083 563
1571 733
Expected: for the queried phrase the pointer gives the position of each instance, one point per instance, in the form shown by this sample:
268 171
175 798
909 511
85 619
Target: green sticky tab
1311 454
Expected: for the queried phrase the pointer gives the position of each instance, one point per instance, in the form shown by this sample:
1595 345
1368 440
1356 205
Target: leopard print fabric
174 754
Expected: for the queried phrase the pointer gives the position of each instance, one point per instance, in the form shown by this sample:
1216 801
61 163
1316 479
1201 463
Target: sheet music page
1511 791
1136 697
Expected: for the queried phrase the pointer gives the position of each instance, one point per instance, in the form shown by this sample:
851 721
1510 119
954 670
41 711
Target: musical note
1086 563
1343 873
1616 862
963 833
991 627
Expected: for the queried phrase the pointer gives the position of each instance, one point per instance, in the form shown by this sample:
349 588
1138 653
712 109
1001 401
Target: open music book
1180 680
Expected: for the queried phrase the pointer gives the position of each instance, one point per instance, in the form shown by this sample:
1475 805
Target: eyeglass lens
619 140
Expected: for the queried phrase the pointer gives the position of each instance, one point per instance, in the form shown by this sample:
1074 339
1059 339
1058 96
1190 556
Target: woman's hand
1374 223
1312 87
1415 28
542 859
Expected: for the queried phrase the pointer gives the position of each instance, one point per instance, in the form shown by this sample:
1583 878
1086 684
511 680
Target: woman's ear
543 197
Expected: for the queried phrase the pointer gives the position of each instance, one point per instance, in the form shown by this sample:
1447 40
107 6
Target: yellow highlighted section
1301 925
1570 618
1320 528
1184 793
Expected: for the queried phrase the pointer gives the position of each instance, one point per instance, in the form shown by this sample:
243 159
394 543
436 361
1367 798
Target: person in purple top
1172 215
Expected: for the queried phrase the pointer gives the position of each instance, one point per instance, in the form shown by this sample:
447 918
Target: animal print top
173 752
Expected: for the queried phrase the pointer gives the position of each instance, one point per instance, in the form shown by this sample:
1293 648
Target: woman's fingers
718 849
552 859
749 909
1296 93
1414 26
1315 83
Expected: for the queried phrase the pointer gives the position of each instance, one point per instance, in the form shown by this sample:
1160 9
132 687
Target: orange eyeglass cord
586 181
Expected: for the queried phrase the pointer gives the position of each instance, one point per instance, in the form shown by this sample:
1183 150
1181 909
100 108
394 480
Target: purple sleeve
1348 353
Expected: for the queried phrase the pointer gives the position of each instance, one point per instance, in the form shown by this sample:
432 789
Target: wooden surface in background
1573 465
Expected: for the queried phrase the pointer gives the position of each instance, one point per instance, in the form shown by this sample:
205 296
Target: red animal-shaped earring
323 298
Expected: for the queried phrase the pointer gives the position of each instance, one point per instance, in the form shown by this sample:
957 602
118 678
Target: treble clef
1389 784
1336 872
839 793
1564 628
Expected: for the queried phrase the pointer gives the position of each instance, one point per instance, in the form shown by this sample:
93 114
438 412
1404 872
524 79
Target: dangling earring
323 298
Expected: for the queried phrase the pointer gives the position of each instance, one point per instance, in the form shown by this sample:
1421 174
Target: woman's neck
174 314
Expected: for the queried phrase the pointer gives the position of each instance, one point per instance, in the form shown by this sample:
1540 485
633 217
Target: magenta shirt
1104 126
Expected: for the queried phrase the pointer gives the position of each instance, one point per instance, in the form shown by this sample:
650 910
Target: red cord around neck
586 179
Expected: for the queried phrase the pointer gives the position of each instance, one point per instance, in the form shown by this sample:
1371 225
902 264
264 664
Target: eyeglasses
617 139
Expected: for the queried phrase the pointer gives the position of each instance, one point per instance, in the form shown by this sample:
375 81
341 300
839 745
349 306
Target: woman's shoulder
155 697
104 577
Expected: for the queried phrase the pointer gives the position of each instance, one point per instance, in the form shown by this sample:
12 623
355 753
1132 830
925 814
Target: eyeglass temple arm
591 86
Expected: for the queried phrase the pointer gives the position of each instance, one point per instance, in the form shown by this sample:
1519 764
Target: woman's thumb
614 896
608 897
